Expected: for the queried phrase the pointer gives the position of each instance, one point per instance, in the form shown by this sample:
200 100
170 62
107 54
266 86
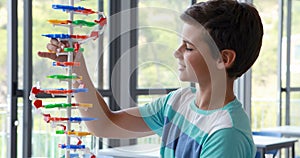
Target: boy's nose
177 54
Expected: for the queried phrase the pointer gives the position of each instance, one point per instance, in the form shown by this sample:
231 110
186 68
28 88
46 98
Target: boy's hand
54 47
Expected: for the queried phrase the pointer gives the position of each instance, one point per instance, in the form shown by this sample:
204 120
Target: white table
286 131
132 151
266 143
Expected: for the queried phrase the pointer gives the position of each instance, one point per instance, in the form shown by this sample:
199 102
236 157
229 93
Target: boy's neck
205 100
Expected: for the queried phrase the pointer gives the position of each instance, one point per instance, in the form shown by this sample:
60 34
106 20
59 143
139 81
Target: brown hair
232 25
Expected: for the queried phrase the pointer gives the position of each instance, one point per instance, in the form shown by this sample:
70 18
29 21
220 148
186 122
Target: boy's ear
227 58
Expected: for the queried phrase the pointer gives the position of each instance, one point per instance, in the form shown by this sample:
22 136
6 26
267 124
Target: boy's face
192 66
196 63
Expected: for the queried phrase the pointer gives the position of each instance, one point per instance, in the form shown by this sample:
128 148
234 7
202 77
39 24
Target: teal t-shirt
189 132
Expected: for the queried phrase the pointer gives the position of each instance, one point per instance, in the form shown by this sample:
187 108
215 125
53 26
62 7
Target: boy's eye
188 49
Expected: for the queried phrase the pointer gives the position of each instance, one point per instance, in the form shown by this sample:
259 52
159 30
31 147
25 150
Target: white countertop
132 151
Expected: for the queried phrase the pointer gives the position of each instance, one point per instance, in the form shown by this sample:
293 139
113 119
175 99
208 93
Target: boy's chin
184 79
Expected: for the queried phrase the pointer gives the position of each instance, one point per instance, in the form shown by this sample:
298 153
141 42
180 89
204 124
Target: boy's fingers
52 47
65 43
61 45
47 55
56 45
54 41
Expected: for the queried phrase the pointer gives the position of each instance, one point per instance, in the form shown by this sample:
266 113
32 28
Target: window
4 108
264 71
159 36
275 79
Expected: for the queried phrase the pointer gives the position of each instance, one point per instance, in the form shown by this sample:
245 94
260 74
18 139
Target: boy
221 40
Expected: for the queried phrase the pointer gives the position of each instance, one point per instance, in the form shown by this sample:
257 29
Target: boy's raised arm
125 123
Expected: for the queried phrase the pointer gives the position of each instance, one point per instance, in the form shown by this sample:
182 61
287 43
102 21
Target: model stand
75 41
